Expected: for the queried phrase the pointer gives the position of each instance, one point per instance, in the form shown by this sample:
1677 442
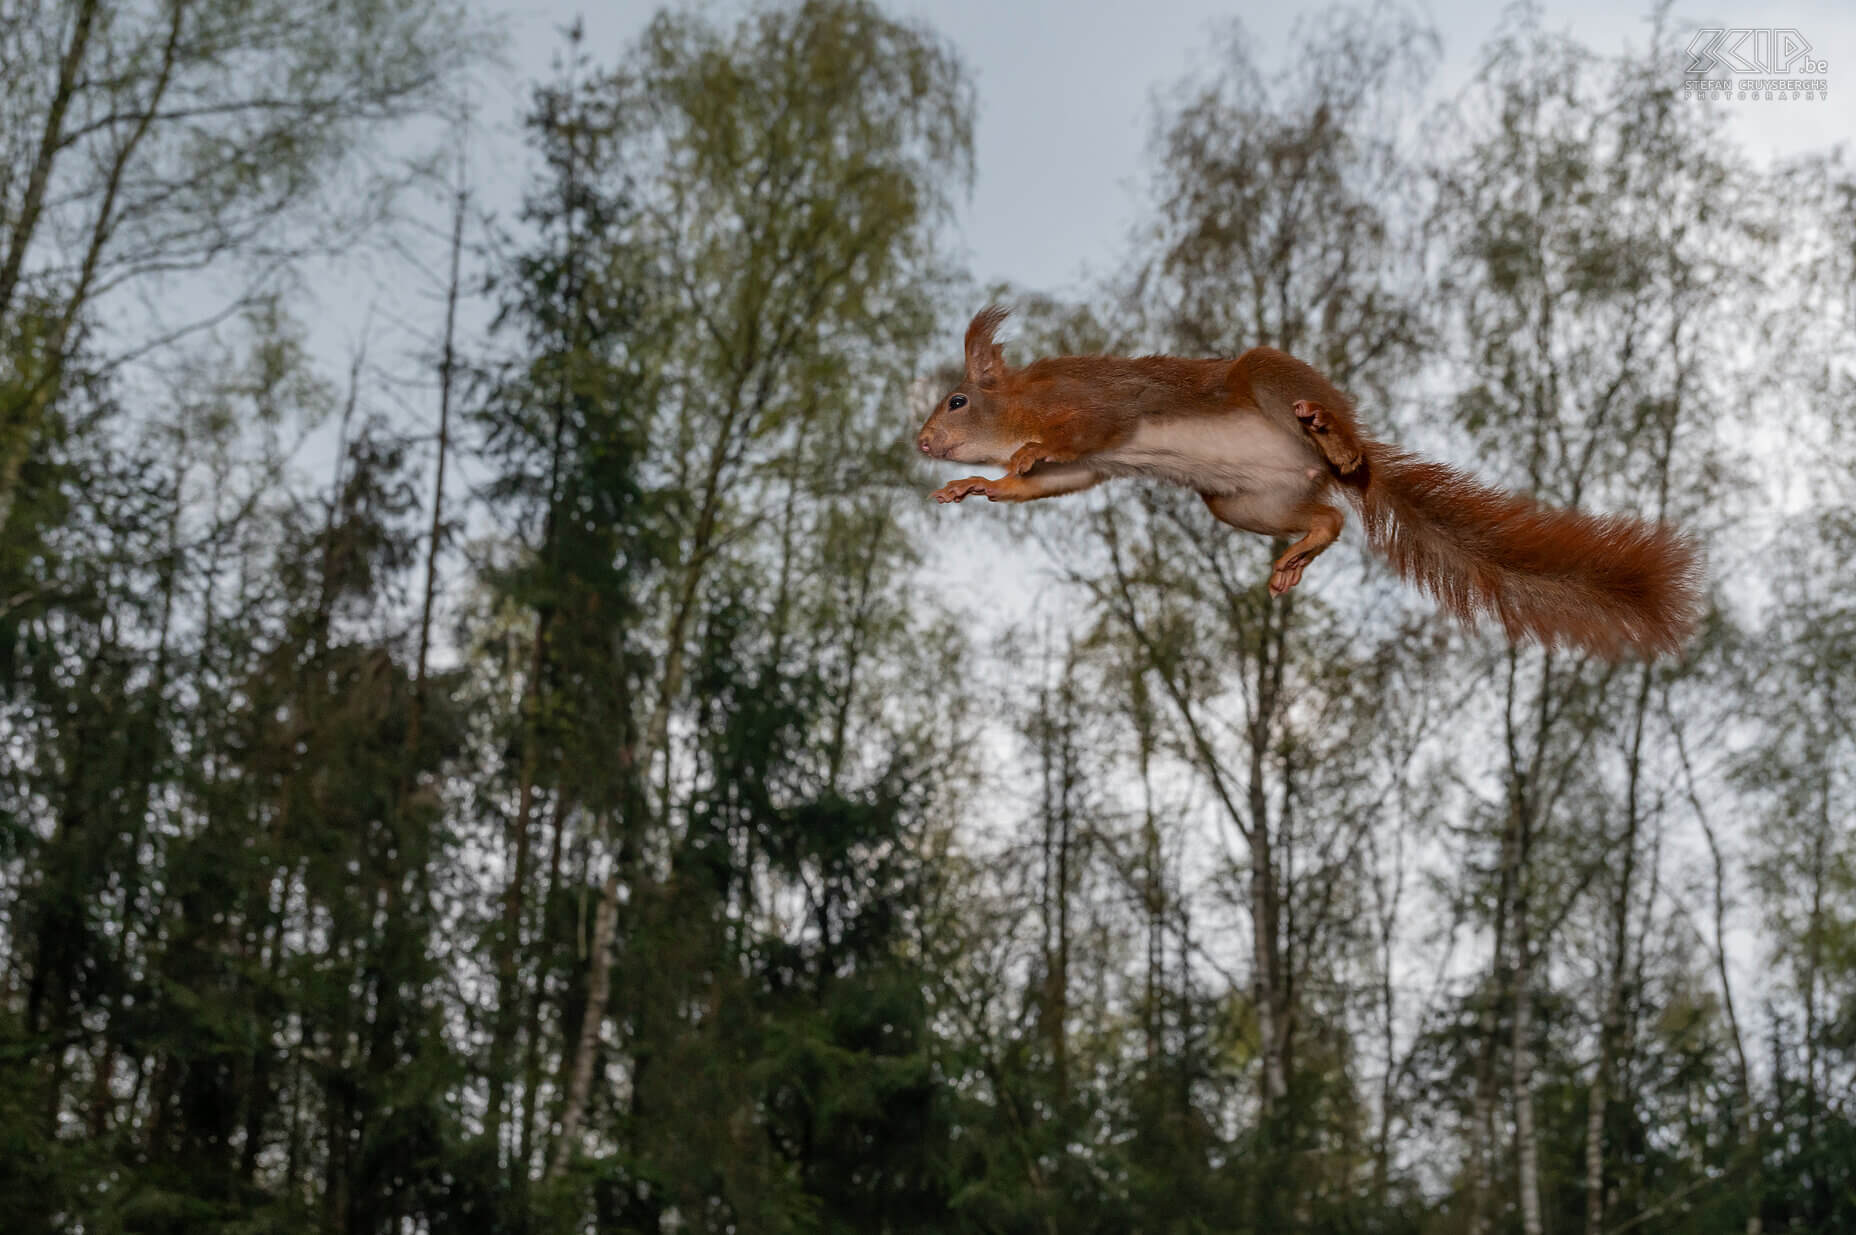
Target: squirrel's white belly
1244 452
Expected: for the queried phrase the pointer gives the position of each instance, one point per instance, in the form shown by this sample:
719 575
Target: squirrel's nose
922 443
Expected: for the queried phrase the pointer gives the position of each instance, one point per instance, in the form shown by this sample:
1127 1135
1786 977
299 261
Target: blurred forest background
566 778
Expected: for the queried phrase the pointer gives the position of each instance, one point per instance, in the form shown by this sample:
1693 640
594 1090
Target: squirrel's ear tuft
985 359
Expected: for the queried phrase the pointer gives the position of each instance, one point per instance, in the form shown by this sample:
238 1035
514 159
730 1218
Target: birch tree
146 142
1593 299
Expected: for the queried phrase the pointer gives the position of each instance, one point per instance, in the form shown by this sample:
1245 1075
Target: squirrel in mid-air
1267 442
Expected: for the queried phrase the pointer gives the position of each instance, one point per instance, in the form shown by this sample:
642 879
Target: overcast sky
1065 89
1066 103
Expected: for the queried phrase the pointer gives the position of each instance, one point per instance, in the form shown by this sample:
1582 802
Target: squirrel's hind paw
1339 448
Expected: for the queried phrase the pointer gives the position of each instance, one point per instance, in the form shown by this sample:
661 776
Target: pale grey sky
1065 88
1065 93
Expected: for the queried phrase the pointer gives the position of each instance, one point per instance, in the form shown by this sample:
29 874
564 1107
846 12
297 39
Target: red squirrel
1268 442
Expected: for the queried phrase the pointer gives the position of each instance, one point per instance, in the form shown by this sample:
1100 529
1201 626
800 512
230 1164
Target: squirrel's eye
957 401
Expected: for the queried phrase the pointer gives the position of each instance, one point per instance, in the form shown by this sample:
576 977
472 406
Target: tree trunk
1051 729
508 940
1820 1199
1265 906
515 894
50 140
1152 893
1058 1010
447 370
1527 1150
19 424
599 986
1596 1099
1522 803
1749 1125
531 1044
1611 1019
1483 1116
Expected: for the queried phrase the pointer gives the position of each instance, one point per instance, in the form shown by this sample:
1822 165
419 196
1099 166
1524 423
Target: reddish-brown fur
1610 584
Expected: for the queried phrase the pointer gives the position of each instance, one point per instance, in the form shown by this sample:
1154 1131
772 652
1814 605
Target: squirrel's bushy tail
1610 584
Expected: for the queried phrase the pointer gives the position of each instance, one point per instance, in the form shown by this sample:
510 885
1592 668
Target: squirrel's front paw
1025 458
954 490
